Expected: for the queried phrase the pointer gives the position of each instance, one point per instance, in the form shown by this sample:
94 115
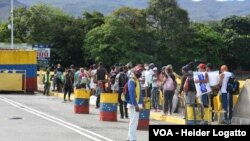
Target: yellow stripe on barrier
208 114
82 93
17 57
217 103
109 98
10 82
190 114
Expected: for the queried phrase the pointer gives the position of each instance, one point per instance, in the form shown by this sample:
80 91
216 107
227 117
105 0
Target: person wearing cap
227 99
155 91
135 102
204 99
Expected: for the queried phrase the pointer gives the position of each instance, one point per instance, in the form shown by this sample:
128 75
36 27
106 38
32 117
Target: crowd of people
143 80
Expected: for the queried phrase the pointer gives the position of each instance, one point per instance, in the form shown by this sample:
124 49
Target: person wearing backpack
189 89
120 81
135 101
227 98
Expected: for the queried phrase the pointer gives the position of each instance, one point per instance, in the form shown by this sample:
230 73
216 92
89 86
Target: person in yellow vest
46 82
135 102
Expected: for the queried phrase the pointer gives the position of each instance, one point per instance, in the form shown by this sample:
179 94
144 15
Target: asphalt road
41 118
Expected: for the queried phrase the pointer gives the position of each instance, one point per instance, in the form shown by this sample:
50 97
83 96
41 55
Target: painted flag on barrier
201 88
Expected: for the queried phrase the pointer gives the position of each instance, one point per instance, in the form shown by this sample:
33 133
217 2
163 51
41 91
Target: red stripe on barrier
108 116
31 84
81 109
143 124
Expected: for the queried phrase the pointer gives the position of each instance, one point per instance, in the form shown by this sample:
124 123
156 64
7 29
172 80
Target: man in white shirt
227 99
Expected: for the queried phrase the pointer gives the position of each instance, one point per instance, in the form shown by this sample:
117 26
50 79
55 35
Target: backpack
233 85
169 84
123 79
191 85
125 91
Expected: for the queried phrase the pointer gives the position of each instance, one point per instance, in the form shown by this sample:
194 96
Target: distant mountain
206 10
199 10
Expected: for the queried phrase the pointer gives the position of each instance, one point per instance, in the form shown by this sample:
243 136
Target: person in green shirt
46 82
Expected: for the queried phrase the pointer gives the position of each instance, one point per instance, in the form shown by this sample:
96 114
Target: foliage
161 33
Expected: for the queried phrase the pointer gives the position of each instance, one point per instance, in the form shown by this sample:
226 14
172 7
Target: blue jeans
204 100
227 99
155 98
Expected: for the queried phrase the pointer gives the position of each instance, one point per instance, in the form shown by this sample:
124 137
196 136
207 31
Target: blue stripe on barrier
81 101
31 70
108 107
144 114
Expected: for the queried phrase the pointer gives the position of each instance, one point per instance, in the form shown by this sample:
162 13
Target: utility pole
12 26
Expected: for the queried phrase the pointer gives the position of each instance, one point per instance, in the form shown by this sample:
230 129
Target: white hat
155 68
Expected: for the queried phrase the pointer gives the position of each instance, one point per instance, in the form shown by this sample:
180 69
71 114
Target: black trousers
67 90
98 101
122 105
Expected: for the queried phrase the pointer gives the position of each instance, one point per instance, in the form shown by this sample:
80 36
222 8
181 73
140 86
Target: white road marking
77 129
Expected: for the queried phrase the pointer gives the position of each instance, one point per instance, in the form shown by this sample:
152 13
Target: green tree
137 20
171 24
113 42
236 32
92 20
4 33
240 25
206 45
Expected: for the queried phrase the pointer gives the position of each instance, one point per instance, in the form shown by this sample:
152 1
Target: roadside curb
174 119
